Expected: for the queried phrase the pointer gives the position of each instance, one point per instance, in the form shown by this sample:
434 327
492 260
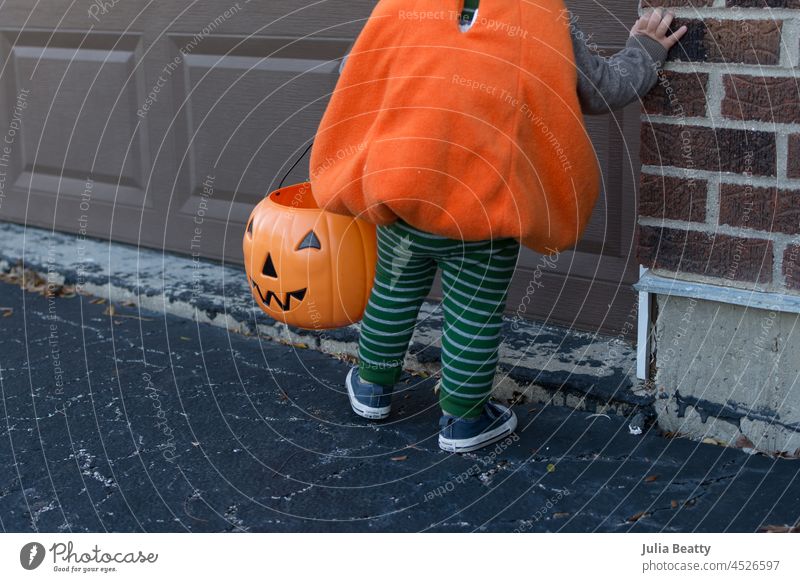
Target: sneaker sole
362 410
480 441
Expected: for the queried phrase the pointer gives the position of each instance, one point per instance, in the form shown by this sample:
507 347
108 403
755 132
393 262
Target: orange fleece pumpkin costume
470 135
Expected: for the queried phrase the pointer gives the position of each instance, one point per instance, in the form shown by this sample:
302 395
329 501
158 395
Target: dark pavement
116 420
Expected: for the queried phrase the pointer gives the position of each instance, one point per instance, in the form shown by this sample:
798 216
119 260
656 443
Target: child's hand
656 26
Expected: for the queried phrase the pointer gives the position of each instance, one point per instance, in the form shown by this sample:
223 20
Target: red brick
791 267
793 163
717 150
673 198
767 209
764 3
756 42
676 3
773 99
703 253
678 94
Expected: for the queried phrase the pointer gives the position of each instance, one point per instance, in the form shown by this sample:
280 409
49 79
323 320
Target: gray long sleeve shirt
608 83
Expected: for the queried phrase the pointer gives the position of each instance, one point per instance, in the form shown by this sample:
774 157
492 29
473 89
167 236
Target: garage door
162 123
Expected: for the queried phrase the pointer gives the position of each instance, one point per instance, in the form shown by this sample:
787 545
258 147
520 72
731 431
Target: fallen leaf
560 514
110 310
650 478
714 441
781 529
551 467
400 458
186 339
638 516
673 504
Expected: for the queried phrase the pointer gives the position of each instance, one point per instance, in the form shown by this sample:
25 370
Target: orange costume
471 135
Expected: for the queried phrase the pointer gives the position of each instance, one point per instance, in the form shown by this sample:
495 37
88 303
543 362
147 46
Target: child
475 273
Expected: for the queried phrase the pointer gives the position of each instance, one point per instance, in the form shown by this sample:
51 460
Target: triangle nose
269 268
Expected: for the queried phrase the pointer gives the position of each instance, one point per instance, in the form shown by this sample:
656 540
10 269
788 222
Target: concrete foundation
729 373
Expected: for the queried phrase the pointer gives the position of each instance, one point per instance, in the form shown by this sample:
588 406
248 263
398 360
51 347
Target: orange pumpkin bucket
308 267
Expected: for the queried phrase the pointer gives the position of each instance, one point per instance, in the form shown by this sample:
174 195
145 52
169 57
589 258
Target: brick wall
720 185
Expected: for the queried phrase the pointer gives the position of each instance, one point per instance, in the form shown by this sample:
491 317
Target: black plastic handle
295 165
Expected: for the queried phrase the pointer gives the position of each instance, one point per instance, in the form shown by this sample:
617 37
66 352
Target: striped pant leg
475 287
403 279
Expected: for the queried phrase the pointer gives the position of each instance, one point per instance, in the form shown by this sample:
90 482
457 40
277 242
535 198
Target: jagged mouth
284 305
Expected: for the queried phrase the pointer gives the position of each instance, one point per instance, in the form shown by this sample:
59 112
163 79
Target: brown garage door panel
583 304
244 108
604 231
213 116
155 18
243 113
73 129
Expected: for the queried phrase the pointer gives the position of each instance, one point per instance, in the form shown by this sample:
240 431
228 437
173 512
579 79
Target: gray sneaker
463 435
368 400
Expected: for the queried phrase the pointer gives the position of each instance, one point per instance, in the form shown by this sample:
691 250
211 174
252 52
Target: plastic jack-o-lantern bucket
307 267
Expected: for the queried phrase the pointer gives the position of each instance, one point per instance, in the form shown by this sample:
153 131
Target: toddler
476 273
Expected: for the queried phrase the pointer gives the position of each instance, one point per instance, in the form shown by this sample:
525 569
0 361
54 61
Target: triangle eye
310 242
269 268
250 229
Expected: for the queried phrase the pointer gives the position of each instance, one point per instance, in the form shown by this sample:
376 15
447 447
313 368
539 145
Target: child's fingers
654 20
677 35
640 25
665 23
671 40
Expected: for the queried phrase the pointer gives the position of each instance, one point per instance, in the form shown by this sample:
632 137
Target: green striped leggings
475 280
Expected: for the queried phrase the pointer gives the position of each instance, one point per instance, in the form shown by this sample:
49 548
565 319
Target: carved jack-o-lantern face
306 267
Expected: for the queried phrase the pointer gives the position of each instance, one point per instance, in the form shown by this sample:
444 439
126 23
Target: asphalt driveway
114 419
